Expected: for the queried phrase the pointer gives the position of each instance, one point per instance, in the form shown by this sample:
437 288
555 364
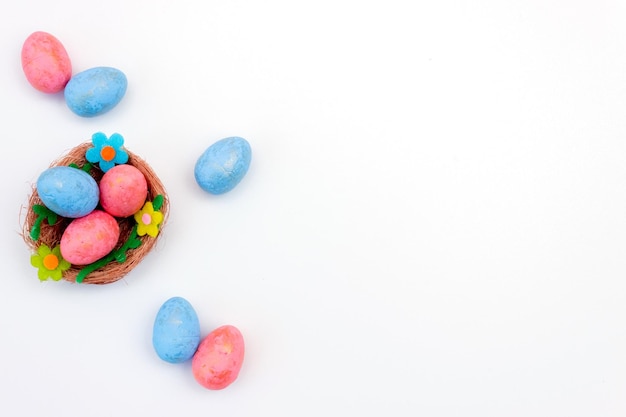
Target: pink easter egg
89 238
123 190
217 362
45 62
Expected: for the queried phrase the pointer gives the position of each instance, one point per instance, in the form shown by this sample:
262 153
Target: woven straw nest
51 235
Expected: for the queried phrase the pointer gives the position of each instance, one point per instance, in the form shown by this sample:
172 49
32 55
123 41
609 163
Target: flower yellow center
50 261
107 153
146 219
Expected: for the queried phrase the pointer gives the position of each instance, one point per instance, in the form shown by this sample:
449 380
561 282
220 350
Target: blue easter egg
67 191
176 332
220 168
95 91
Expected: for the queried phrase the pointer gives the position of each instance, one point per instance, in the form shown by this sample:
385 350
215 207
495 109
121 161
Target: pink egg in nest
89 238
123 190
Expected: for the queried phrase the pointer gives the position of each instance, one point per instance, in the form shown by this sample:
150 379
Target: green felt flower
49 262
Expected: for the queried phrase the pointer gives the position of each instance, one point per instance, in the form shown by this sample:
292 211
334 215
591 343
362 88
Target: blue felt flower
107 152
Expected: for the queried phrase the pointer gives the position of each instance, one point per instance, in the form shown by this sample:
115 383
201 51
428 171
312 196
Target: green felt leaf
82 274
51 218
131 243
120 256
46 213
87 167
35 231
39 209
42 212
158 202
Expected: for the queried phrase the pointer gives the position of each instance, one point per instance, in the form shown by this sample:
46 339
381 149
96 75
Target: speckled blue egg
95 91
176 332
69 192
223 165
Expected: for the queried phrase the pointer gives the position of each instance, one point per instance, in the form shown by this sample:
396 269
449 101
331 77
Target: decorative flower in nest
49 262
149 218
93 242
107 152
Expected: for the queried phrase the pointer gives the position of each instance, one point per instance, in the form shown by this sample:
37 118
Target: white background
433 223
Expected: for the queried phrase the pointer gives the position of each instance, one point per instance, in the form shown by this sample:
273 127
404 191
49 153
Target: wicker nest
51 235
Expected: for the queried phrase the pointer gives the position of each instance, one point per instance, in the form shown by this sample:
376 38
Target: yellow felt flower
49 262
148 220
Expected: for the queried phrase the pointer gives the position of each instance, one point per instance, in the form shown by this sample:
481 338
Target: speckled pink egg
123 190
89 238
45 62
217 362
